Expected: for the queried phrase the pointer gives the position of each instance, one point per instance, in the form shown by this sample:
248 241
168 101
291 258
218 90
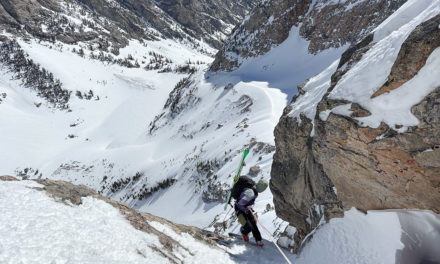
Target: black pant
250 225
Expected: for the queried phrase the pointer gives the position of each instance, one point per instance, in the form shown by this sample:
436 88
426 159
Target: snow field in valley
128 100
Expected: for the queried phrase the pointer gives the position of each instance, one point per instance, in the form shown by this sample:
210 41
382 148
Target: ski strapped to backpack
243 183
237 175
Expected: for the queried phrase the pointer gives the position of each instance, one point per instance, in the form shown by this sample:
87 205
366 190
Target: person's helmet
261 185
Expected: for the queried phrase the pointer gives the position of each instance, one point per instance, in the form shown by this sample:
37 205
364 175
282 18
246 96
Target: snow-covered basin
287 65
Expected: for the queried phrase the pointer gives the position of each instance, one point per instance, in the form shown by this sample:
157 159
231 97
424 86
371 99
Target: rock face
120 20
325 24
209 19
346 165
298 183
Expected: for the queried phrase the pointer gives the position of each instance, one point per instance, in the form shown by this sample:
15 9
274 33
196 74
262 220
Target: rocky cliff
334 159
211 20
326 24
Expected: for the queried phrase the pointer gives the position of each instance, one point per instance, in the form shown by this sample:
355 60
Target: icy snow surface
38 229
369 74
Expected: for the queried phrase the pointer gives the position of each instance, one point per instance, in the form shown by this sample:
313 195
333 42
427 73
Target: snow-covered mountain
112 23
105 94
95 101
364 133
308 36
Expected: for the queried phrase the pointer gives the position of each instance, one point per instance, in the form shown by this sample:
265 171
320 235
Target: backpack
242 183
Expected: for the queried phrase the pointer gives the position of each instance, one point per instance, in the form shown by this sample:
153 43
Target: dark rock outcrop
8 178
346 165
298 183
325 25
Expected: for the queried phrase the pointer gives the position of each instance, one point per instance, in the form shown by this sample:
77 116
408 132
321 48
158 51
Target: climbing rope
271 237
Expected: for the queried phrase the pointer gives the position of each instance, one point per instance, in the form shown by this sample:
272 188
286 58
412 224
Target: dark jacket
247 198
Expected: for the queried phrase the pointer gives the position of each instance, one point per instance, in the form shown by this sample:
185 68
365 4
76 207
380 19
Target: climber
245 191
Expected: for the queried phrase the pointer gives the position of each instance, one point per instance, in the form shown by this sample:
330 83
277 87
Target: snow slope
288 64
39 229
104 140
314 90
369 74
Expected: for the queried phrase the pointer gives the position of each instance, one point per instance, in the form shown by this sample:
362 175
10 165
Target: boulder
254 170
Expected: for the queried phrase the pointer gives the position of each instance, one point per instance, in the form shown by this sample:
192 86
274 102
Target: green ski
246 152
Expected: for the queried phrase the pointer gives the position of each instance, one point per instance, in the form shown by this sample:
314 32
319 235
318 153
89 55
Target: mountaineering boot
260 244
245 238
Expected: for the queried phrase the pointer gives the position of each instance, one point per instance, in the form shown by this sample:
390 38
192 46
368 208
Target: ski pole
271 237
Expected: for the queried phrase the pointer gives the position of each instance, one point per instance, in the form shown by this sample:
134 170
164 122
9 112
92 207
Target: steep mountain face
324 23
365 132
118 21
209 19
